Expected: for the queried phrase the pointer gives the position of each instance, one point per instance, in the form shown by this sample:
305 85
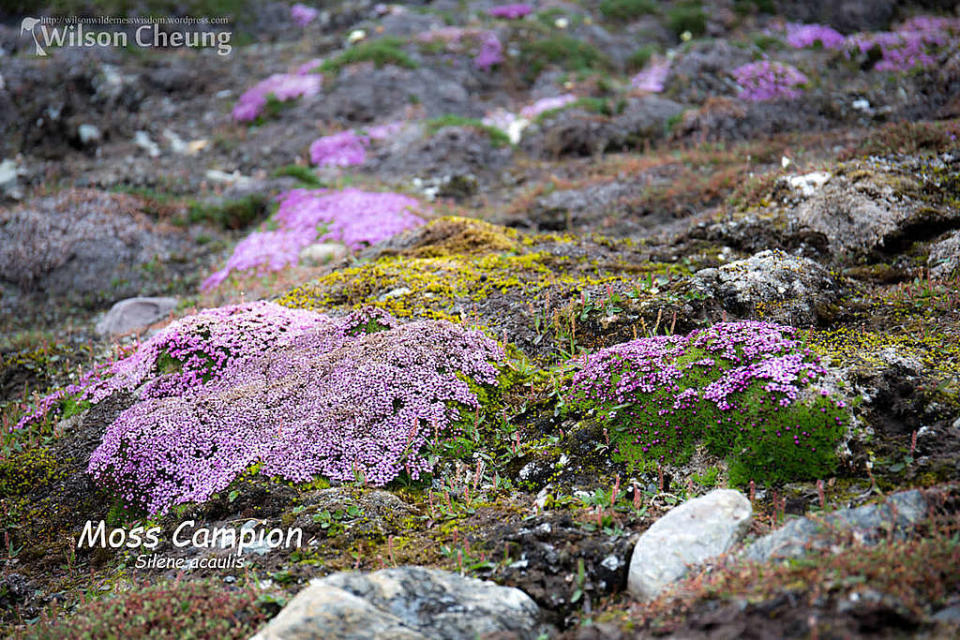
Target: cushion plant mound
746 391
296 393
305 216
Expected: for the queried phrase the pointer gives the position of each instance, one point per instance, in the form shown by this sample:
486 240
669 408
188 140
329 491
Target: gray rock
135 313
690 534
871 207
867 524
450 151
944 258
846 16
949 615
577 132
703 71
402 603
363 95
771 285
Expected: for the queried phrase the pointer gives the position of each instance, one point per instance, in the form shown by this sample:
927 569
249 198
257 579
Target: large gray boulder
866 524
690 534
402 603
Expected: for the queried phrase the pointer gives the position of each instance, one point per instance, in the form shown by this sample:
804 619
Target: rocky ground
474 292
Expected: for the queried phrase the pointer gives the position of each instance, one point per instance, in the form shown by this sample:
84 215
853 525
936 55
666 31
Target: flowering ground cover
351 216
294 392
745 391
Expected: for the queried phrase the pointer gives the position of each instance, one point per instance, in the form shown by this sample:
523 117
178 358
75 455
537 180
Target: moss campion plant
305 216
299 394
747 391
295 393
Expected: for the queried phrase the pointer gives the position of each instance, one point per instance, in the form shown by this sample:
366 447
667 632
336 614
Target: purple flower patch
511 11
339 150
296 392
491 51
302 14
653 77
746 391
801 36
305 216
915 44
765 80
282 87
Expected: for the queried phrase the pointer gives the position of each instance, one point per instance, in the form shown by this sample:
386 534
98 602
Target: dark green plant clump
497 137
232 214
380 52
621 10
687 16
563 51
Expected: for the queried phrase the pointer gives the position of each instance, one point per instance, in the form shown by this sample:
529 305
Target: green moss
232 214
767 42
745 7
27 471
625 10
687 16
380 52
566 52
305 175
639 58
434 287
497 137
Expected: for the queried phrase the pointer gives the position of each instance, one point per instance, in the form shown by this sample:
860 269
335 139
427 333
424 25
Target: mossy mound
452 235
747 392
540 292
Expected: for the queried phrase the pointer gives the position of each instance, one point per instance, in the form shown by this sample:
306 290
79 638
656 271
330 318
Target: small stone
395 293
88 134
9 173
690 534
771 285
323 253
135 313
944 258
950 615
807 184
142 140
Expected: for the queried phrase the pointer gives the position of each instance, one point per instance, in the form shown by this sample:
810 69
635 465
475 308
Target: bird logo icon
29 24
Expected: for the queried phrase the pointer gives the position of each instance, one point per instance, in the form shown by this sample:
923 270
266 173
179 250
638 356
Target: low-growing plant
380 52
305 175
639 58
497 137
232 214
201 610
625 10
746 391
687 16
564 51
292 393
